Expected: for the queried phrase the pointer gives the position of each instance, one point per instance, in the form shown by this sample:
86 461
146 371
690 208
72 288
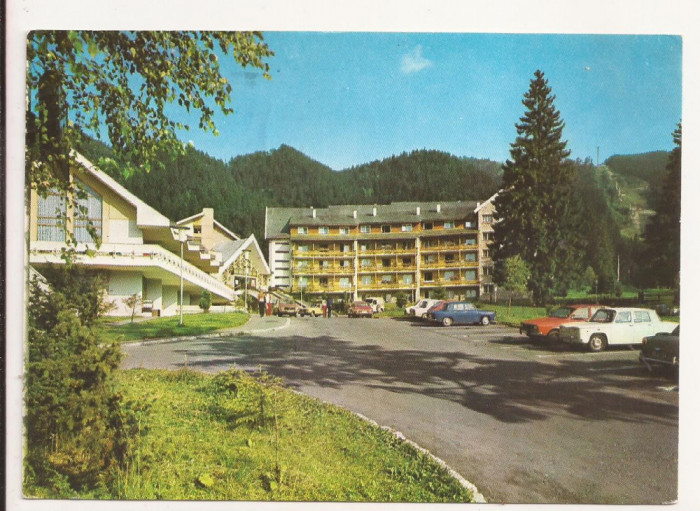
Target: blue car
461 313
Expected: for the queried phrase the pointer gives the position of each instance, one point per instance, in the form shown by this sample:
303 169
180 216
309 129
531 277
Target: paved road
526 423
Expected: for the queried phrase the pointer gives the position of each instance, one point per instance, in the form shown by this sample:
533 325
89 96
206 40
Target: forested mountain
240 190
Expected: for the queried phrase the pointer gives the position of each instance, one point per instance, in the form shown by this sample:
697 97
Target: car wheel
597 343
424 315
553 334
485 320
446 321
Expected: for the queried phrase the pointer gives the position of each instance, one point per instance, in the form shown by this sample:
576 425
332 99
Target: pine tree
662 236
537 205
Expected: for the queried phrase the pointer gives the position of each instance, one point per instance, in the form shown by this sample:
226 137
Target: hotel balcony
448 282
449 248
386 251
386 269
300 254
323 270
452 264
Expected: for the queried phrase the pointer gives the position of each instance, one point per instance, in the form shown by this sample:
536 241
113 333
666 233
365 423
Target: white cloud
414 61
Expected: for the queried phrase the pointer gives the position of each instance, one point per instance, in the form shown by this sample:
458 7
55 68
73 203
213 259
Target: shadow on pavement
511 391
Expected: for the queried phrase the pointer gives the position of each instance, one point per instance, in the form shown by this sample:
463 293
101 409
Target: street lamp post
246 263
183 238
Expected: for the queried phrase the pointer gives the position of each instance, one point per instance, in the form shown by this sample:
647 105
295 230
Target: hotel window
386 228
428 276
407 245
470 257
470 293
387 279
449 258
449 225
487 270
365 263
406 228
347 248
343 230
407 278
51 217
344 282
427 226
485 254
366 229
302 230
303 264
386 263
302 248
323 230
470 275
88 216
323 281
469 224
345 263
488 236
406 261
450 275
470 241
303 281
363 247
487 219
323 264
429 259
367 280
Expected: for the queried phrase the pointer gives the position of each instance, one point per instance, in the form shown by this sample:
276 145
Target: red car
360 309
549 326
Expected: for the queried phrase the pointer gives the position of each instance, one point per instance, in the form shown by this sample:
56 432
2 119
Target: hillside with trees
240 190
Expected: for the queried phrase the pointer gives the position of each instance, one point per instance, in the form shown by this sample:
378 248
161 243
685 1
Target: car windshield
422 304
603 316
561 312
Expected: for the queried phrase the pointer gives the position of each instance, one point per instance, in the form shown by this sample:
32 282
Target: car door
458 313
622 329
643 325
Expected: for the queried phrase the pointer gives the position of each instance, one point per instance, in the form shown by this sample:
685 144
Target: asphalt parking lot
526 422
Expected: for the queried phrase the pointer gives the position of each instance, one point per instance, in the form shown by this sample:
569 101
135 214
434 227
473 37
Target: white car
614 325
420 309
376 303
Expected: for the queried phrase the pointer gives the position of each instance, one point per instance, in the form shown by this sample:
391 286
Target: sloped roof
278 220
146 216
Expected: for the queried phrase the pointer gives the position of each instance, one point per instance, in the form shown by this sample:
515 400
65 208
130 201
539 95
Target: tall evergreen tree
662 235
537 205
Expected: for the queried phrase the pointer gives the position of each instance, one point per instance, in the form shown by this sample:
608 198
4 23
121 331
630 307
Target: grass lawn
194 324
518 313
227 437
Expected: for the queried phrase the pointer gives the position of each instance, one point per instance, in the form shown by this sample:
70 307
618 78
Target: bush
205 301
78 428
401 299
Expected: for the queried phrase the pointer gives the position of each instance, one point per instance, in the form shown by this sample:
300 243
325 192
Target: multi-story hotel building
381 250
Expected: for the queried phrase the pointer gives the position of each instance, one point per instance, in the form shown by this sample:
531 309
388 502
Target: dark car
661 350
461 313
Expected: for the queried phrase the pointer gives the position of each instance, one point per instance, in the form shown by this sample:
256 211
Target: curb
221 333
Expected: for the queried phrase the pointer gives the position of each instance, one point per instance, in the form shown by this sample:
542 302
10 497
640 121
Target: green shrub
205 301
78 427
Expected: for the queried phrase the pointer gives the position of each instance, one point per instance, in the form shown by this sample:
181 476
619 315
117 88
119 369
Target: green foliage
125 81
537 205
516 275
588 280
401 299
649 167
205 301
662 236
78 426
439 293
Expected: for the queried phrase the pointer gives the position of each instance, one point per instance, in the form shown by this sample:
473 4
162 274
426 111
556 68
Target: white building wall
170 298
121 286
279 258
154 292
124 231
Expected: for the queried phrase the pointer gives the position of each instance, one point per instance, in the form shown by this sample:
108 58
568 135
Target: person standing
330 306
261 304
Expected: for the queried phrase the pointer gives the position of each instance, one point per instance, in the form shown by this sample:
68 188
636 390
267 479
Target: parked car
315 309
549 325
661 350
460 313
360 309
377 304
288 309
619 325
421 307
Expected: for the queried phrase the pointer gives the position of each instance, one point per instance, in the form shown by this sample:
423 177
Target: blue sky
349 98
